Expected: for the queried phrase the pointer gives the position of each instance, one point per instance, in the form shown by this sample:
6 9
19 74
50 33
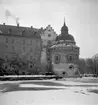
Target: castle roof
63 45
64 34
19 31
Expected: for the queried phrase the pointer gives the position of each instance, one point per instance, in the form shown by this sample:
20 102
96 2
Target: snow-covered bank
48 92
51 97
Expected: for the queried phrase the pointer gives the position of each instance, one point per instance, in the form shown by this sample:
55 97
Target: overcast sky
81 18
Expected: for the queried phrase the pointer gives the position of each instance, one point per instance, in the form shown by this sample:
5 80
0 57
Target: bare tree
82 65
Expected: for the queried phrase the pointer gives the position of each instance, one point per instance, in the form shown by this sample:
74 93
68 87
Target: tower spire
64 22
64 28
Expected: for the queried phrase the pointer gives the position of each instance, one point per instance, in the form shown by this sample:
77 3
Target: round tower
65 54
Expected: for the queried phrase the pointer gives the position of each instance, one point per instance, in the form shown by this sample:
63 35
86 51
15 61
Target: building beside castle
21 44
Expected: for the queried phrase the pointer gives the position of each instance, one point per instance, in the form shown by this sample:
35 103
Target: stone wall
23 48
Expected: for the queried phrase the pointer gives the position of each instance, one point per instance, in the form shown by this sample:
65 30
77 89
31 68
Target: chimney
3 23
41 28
17 24
31 26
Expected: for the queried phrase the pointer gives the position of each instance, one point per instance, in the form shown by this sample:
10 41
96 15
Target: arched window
57 59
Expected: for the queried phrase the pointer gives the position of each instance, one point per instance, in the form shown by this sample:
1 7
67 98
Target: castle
40 47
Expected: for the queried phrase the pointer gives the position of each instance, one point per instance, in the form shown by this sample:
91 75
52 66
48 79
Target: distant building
20 43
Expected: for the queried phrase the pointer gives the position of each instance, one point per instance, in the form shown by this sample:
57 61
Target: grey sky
81 17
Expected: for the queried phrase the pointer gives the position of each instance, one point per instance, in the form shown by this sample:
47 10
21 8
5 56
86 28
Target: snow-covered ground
49 92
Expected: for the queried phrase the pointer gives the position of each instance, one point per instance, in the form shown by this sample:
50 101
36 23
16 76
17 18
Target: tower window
65 58
57 59
70 58
71 67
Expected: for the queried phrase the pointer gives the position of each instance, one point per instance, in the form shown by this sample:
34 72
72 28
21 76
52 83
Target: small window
65 58
31 42
49 35
48 59
13 48
48 50
6 57
6 46
23 32
13 41
57 59
6 40
31 57
31 66
24 48
23 41
49 42
70 58
31 49
9 31
71 67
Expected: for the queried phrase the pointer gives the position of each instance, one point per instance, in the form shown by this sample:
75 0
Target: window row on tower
69 58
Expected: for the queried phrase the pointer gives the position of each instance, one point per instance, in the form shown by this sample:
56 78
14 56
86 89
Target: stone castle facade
21 44
40 46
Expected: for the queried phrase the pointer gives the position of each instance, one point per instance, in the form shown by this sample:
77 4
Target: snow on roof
64 45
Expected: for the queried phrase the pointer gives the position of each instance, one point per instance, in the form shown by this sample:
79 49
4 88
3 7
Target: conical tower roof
64 34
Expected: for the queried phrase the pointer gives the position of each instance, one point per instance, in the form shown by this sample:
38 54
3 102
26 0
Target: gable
49 34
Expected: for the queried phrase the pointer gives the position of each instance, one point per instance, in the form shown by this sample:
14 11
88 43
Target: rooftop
19 31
